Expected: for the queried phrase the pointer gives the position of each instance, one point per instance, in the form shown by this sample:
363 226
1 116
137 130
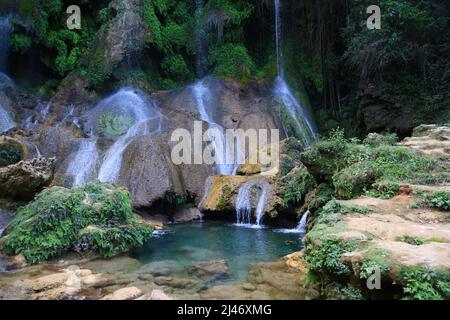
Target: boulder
222 192
96 218
215 269
130 293
11 151
25 178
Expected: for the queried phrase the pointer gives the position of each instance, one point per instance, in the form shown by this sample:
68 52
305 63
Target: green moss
94 218
354 168
224 201
114 125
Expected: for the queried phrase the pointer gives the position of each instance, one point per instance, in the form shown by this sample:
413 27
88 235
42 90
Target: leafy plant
115 125
94 218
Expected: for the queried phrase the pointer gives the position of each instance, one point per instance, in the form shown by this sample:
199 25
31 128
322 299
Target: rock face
222 193
405 236
24 179
431 140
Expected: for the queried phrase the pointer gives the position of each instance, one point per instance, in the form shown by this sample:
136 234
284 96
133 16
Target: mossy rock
95 218
11 151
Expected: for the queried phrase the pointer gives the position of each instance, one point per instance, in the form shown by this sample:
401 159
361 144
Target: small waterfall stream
84 163
6 122
202 95
244 210
143 113
284 94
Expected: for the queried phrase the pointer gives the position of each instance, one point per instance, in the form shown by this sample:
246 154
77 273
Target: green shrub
296 185
425 284
232 60
377 139
94 218
327 257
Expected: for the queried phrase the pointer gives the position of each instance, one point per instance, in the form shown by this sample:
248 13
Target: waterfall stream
244 208
202 96
283 93
84 162
143 112
6 122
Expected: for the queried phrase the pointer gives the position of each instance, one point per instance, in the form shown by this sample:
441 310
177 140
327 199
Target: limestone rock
216 269
159 295
130 293
25 178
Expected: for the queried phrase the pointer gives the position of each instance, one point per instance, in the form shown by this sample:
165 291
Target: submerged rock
215 269
25 178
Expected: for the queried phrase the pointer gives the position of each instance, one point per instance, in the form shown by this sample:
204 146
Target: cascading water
143 113
303 223
244 206
6 122
84 163
301 227
202 94
304 126
5 32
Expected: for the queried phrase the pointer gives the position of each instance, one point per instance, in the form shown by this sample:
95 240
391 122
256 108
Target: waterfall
284 94
5 32
143 113
244 205
303 223
278 38
6 122
84 162
261 206
202 94
301 227
38 152
70 116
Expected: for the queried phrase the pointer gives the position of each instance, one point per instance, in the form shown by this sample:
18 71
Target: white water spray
304 126
84 163
244 206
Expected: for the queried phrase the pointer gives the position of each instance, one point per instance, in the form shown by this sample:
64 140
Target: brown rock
24 179
130 293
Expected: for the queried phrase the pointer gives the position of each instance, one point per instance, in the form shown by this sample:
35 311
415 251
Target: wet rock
249 169
175 282
98 280
216 269
130 293
161 268
24 179
11 151
234 292
159 295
